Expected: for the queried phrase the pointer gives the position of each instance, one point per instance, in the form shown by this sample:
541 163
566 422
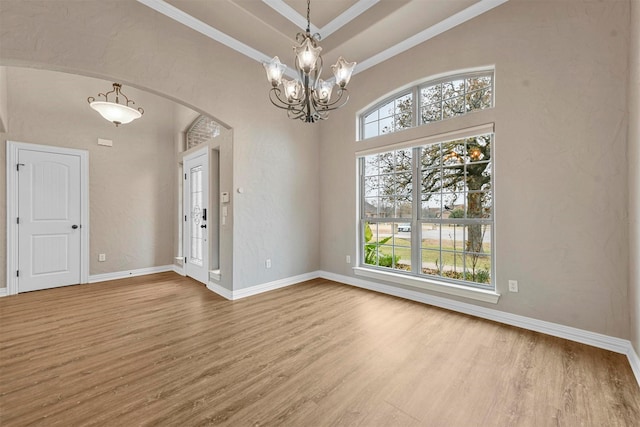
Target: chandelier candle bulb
308 98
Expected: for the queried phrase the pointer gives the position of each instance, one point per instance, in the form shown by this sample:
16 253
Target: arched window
201 130
430 101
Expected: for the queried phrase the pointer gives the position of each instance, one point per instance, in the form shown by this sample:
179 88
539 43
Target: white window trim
430 284
414 88
486 295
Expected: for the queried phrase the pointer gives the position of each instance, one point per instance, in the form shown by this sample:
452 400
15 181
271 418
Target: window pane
479 205
371 165
386 208
452 203
453 153
430 262
478 176
478 238
403 184
403 207
404 112
430 156
387 185
403 160
431 113
431 94
453 237
452 89
402 247
370 130
478 268
478 100
370 244
371 186
386 125
453 265
371 207
475 83
371 117
387 110
453 107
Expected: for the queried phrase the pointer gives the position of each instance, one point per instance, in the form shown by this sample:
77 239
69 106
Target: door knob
74 226
203 226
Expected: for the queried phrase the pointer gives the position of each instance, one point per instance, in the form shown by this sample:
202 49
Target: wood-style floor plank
163 350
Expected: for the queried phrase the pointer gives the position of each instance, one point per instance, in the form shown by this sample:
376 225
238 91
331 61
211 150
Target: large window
436 100
427 211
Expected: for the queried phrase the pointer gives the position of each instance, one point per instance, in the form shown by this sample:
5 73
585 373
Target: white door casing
47 196
196 215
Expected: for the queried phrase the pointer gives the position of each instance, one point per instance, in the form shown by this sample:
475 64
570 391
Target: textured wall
560 173
274 159
130 191
3 99
634 174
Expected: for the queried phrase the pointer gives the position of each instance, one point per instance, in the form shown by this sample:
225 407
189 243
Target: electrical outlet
102 257
267 263
348 259
513 286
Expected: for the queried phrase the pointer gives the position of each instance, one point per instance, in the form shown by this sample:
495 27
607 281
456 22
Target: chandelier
116 112
308 98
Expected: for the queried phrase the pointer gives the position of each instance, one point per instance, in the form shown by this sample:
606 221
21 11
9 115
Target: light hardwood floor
163 350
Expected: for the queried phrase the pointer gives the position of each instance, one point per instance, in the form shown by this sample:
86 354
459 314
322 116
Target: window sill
430 285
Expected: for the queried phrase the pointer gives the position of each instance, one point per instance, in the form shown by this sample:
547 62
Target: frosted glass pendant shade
116 113
342 70
307 55
275 70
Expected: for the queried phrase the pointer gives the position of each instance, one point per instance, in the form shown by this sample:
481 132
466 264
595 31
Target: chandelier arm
334 105
279 102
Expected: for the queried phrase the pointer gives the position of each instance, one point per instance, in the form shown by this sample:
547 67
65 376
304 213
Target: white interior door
49 235
196 215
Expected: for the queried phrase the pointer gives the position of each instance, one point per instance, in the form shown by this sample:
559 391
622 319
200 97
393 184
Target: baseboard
129 273
606 342
220 290
276 284
3 292
634 360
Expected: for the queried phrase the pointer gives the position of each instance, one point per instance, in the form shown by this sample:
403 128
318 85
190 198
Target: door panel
196 199
48 208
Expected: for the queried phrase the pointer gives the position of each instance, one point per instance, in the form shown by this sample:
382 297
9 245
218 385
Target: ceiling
365 31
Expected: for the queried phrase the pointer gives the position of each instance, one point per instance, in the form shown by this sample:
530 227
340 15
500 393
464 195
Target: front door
49 235
196 207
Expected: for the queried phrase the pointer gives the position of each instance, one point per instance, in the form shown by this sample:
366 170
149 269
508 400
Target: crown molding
184 18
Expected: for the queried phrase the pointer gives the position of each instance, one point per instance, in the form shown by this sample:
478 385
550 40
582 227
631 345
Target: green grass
404 251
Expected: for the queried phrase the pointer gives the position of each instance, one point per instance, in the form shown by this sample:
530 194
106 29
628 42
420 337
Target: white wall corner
220 290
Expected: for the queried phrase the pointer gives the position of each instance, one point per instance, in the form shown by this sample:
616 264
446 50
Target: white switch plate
348 259
105 142
513 286
102 257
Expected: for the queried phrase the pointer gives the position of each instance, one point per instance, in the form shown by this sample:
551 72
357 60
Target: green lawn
429 257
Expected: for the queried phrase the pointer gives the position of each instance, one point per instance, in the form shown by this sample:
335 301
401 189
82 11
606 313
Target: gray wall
634 174
560 173
130 193
274 158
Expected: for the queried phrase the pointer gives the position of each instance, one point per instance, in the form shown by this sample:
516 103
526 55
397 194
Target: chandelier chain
308 14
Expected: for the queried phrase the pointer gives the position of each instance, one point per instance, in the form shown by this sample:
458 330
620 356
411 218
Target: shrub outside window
427 211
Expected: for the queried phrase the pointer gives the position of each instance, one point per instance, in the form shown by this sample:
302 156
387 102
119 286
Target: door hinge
17 273
18 220
185 218
185 176
18 166
185 259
